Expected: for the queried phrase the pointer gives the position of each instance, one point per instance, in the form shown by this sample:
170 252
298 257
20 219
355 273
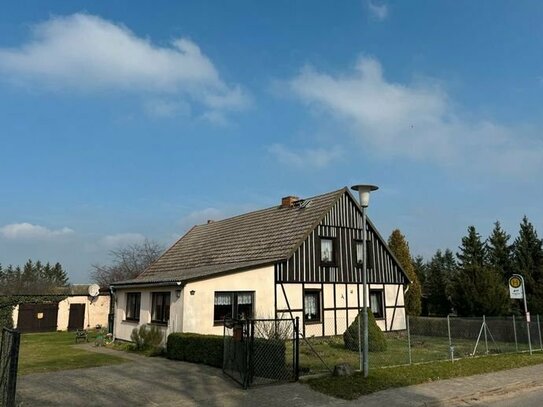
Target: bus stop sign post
517 291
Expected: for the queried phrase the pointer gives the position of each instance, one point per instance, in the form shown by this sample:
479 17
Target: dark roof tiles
250 239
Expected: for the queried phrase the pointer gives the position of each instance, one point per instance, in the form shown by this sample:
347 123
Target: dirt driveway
143 381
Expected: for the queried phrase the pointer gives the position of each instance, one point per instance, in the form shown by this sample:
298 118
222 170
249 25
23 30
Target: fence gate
9 358
261 351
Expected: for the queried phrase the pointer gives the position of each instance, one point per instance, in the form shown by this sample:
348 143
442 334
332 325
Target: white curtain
326 250
245 298
376 303
310 303
359 252
223 299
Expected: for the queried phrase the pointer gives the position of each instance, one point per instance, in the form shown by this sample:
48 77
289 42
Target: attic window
359 255
327 250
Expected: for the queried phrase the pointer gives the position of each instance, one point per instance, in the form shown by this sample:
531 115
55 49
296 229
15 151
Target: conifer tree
477 288
437 288
421 270
399 246
500 252
528 261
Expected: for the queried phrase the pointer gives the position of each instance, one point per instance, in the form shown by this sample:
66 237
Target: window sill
312 322
159 323
323 264
133 321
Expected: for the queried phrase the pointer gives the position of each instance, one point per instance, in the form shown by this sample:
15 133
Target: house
74 309
301 258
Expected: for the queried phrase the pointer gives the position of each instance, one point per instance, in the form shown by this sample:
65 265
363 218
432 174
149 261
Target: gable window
376 303
360 255
236 305
133 301
327 250
160 308
312 306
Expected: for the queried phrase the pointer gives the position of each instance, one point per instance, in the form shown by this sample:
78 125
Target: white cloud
121 239
28 231
379 11
161 108
85 53
416 120
313 158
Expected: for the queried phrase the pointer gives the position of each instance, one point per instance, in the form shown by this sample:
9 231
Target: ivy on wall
8 303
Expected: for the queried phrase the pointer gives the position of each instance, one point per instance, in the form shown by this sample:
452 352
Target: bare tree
127 262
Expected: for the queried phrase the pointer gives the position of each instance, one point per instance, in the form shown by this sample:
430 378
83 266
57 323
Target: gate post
297 347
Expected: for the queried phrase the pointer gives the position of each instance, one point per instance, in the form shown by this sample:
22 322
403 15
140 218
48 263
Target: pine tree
500 252
440 271
421 270
60 278
399 246
477 287
528 261
473 251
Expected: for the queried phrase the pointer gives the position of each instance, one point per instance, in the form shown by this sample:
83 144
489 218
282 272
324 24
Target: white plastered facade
192 304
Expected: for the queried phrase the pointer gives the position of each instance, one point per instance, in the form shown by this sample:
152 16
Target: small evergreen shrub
376 339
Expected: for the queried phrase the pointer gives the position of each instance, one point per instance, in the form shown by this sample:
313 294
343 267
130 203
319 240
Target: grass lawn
47 352
354 386
423 349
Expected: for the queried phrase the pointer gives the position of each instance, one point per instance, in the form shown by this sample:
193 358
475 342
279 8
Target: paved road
143 381
527 398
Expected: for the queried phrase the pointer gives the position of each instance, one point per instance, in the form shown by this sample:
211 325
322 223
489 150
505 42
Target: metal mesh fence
333 341
9 357
261 351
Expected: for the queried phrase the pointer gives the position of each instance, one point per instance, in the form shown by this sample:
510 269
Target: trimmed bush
376 339
195 348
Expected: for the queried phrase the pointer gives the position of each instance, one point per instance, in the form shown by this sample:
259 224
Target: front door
77 317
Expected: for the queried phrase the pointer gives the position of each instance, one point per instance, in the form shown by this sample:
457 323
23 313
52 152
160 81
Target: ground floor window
233 304
312 306
133 301
376 303
160 308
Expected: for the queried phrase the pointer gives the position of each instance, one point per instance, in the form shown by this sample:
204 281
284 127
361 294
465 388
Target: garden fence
329 342
9 357
261 351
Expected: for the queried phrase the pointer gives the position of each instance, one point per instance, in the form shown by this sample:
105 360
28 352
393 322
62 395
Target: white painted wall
96 311
123 328
198 308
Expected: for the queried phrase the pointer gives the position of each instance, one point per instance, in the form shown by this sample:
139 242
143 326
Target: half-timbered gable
342 224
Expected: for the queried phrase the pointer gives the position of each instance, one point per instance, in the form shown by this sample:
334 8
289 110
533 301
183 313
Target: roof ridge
265 209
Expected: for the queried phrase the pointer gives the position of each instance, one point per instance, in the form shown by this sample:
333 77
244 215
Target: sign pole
517 290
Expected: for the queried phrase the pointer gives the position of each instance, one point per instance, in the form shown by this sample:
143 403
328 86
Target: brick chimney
288 201
210 221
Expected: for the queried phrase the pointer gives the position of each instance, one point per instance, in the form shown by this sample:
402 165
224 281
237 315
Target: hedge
189 347
269 354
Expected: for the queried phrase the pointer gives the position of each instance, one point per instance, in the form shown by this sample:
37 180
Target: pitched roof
255 238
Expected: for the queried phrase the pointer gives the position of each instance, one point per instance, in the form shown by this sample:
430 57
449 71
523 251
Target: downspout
111 319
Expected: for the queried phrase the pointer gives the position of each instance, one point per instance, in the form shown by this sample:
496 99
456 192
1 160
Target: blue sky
124 120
